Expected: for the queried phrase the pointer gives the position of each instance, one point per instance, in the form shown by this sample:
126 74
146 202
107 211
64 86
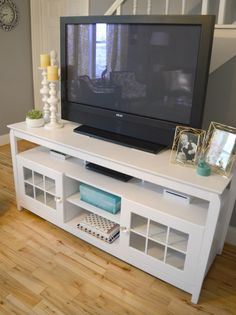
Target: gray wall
221 101
99 7
221 95
16 88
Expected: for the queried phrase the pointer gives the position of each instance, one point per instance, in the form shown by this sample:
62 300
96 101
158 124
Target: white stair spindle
114 7
167 7
183 8
135 4
118 10
149 7
221 12
205 7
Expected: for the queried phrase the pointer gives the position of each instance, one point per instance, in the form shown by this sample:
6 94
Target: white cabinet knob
58 199
124 229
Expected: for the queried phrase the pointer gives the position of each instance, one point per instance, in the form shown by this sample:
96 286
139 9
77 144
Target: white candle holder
54 62
45 94
53 101
53 58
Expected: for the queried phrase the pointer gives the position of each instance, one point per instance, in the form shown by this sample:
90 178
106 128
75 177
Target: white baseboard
231 235
4 139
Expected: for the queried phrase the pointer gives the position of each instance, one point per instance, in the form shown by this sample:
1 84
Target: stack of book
100 227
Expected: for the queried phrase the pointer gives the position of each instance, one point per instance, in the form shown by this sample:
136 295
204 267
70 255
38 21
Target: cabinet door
40 190
162 245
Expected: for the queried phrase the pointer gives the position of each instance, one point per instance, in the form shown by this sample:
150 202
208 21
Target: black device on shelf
135 77
108 172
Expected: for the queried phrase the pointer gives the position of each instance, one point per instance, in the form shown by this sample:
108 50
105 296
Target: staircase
224 44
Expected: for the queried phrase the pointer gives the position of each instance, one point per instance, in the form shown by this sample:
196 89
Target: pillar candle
44 61
52 73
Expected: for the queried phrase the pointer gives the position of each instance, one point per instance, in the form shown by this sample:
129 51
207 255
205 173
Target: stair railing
223 9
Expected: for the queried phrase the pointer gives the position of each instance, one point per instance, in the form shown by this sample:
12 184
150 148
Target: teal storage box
100 198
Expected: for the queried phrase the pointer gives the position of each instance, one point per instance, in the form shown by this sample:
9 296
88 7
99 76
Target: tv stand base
120 139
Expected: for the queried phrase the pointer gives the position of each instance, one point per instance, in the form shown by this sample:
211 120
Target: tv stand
120 139
171 239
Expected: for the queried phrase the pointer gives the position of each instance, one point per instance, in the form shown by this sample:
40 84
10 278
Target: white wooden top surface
153 164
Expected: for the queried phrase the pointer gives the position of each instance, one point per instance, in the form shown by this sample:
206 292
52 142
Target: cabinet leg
14 151
19 208
195 296
227 214
219 250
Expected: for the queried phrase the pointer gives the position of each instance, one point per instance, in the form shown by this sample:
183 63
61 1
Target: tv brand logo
119 115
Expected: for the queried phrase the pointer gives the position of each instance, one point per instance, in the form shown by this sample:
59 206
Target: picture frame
220 146
187 145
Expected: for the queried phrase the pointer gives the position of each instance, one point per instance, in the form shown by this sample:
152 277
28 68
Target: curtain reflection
78 50
117 47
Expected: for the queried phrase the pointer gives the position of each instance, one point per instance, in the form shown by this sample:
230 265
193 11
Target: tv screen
135 76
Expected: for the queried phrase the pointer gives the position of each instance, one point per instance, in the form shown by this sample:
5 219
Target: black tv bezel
146 129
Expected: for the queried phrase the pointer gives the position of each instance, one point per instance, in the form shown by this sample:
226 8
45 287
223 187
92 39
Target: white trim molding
231 235
4 139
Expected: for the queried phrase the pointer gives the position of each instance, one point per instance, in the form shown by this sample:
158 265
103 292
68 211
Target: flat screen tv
133 79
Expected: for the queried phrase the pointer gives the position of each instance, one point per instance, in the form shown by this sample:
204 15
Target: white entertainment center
173 240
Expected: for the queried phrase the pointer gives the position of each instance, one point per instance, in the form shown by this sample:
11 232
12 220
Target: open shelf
148 194
72 225
75 199
77 219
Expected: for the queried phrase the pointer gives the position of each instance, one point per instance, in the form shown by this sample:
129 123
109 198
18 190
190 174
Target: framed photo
187 145
220 147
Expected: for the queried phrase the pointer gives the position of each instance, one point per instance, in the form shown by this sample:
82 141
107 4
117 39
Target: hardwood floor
45 270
